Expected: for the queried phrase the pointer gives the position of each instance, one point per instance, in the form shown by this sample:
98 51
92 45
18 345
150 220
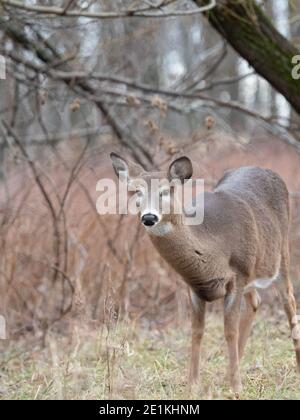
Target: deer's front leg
232 309
198 324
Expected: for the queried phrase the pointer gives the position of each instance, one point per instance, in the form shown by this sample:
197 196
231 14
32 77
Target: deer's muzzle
149 219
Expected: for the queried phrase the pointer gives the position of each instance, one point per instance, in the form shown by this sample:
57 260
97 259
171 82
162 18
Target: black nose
149 219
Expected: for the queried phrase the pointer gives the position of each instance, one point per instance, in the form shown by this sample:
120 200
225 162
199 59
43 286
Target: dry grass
129 362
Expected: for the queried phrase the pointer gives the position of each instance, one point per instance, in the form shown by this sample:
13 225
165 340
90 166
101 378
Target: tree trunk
250 32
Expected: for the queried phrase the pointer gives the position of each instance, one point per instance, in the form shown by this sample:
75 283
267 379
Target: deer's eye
164 193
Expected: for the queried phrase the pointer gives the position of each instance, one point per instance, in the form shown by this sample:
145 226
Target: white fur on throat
160 229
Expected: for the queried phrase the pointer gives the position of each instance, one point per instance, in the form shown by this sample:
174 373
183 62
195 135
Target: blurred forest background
150 79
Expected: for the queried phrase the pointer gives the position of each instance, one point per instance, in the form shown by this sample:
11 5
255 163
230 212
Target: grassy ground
131 363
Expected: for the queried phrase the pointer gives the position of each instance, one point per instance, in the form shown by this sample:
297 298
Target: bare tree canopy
243 24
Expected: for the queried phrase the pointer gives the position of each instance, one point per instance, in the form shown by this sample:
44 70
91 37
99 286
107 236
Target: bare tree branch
251 33
51 11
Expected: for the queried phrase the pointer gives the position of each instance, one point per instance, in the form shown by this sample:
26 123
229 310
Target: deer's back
256 206
263 189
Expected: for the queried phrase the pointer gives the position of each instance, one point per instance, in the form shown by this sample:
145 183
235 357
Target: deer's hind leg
286 290
252 301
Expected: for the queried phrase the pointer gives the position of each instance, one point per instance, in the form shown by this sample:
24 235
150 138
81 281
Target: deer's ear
120 166
123 169
181 168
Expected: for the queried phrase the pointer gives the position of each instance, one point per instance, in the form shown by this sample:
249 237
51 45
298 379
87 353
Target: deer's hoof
237 388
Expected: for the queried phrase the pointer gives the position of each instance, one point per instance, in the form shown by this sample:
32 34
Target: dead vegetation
72 281
126 361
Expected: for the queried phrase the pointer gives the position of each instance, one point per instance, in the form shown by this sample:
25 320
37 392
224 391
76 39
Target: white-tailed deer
242 245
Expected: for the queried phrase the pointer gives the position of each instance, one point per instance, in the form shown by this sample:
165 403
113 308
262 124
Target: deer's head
153 191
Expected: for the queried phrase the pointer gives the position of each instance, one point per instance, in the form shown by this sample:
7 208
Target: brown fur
244 237
242 234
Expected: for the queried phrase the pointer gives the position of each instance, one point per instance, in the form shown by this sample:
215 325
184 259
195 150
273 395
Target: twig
65 12
67 7
42 189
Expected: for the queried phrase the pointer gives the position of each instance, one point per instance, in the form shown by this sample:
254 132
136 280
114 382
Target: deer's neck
188 253
192 253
